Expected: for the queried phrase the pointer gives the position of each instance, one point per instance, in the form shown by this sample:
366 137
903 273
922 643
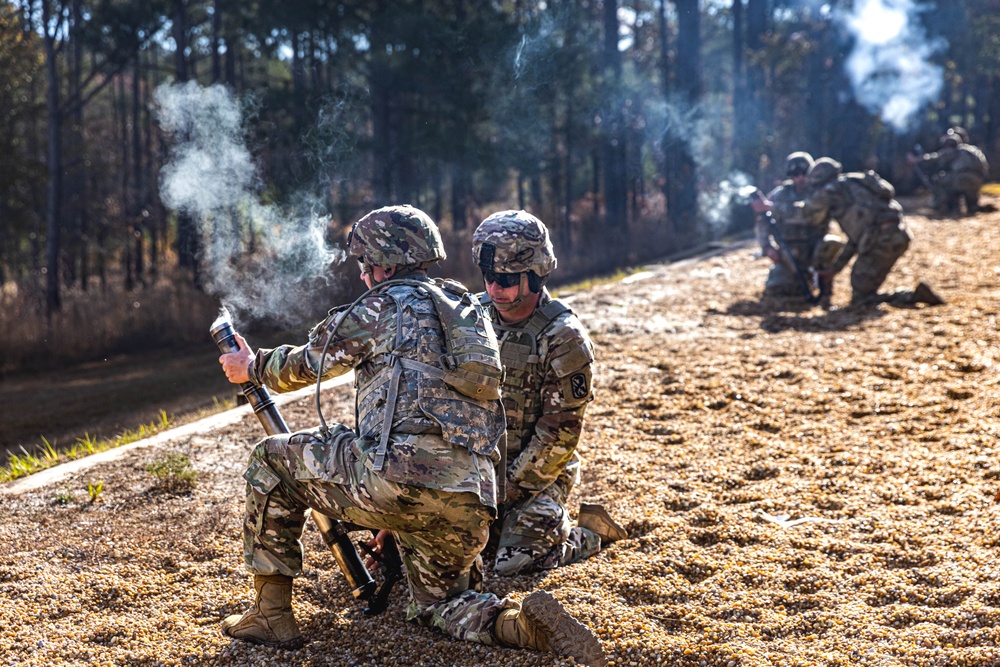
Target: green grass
94 490
173 472
46 456
589 283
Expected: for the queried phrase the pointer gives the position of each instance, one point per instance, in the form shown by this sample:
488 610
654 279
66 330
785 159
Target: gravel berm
799 487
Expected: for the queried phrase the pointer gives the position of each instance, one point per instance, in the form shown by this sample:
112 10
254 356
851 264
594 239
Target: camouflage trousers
781 279
876 259
535 533
953 188
440 534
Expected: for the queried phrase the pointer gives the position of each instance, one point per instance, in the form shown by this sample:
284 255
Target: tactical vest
397 396
875 184
971 159
796 228
524 372
862 196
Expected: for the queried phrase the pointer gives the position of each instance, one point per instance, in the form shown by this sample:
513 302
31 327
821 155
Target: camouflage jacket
799 226
547 386
365 341
964 158
861 214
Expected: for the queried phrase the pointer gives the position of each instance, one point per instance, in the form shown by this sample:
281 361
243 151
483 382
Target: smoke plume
890 67
261 261
725 207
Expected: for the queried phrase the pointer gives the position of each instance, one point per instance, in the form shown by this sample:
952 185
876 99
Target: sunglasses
797 171
502 279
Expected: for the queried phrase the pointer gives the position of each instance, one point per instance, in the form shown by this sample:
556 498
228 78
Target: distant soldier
547 357
806 236
864 206
957 172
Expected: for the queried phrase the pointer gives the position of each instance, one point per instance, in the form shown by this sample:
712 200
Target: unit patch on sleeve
578 385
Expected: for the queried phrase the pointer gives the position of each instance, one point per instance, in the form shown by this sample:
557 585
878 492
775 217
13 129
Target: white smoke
260 261
890 67
699 128
716 203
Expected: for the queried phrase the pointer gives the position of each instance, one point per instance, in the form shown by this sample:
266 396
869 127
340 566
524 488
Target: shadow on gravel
793 315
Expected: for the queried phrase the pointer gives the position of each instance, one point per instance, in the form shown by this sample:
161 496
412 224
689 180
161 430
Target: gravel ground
799 487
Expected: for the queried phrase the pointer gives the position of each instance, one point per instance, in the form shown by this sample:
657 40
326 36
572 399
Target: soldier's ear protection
536 282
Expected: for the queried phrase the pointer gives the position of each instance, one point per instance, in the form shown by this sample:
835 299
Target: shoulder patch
578 385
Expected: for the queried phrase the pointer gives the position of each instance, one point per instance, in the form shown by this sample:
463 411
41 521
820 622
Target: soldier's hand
760 204
376 544
773 255
234 364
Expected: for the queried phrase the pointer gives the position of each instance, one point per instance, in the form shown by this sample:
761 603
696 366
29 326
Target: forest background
166 157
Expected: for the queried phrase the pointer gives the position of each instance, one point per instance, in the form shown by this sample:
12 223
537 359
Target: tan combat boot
597 520
544 625
270 620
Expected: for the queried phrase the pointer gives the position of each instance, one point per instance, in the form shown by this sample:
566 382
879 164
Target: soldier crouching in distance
864 206
547 357
807 238
956 173
425 474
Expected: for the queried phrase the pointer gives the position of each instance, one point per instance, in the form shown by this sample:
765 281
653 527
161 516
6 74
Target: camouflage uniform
873 223
548 361
806 234
546 390
957 173
436 487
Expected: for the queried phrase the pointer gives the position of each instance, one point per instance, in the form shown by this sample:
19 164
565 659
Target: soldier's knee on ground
510 562
781 290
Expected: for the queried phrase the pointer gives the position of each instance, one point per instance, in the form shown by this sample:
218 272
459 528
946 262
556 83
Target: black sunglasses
502 279
797 171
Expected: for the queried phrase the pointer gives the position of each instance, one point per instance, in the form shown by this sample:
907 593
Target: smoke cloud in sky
262 261
890 66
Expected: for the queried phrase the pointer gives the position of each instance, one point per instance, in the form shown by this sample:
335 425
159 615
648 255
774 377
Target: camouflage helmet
396 236
513 242
823 171
798 163
960 132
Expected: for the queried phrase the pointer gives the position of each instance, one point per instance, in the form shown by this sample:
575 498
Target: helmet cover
513 242
396 236
823 171
798 164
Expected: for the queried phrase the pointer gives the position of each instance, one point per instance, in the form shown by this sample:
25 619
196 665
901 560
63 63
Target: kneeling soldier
420 465
547 356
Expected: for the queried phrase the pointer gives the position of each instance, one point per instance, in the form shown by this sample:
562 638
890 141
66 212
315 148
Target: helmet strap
366 266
